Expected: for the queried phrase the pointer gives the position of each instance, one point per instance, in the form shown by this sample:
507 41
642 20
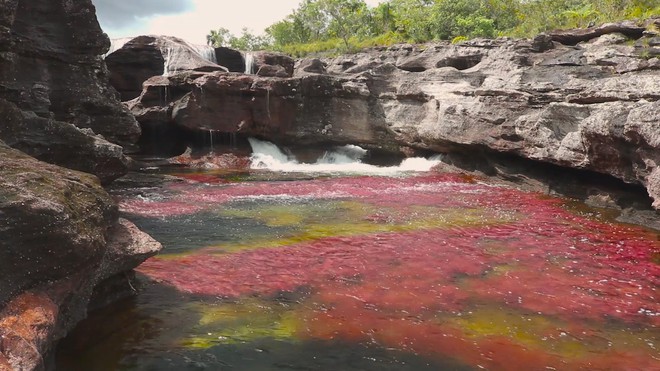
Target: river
344 266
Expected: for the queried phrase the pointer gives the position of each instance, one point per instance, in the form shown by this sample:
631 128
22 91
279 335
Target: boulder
273 59
59 238
311 65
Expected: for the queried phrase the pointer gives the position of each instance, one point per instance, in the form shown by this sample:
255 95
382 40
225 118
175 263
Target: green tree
249 41
219 37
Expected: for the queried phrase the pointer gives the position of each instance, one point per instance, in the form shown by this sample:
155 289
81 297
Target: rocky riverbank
581 99
63 133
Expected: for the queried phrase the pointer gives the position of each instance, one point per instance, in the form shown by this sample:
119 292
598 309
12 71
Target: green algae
242 322
324 219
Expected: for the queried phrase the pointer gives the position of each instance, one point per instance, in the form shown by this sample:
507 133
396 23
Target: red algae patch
436 265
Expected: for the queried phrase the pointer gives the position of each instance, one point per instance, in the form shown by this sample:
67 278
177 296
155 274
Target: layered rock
54 82
60 235
591 106
145 56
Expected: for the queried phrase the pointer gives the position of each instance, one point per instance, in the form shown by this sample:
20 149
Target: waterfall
249 63
168 57
346 159
211 139
207 52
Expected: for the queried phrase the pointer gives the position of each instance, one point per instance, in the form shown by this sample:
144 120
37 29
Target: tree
249 41
219 37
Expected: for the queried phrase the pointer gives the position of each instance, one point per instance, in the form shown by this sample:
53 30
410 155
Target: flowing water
345 266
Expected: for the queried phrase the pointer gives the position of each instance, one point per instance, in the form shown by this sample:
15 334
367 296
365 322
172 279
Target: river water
344 266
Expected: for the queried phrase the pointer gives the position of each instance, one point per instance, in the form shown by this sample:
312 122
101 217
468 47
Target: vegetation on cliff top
345 25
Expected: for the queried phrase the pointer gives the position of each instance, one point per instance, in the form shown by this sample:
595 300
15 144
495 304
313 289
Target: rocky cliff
54 88
584 99
60 233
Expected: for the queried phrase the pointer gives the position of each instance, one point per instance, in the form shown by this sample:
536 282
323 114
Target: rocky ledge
61 237
589 104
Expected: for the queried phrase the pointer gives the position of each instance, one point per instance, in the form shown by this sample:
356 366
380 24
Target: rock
61 143
273 59
230 58
542 42
535 99
59 230
50 53
59 238
146 56
312 65
572 37
267 70
54 222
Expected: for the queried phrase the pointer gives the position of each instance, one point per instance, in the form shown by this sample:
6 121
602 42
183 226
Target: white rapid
346 159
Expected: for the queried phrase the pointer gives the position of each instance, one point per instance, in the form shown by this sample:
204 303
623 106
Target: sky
190 19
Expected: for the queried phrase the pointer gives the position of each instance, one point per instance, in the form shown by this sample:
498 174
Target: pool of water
419 271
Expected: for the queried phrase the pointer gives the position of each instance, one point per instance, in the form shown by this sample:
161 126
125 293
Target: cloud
118 14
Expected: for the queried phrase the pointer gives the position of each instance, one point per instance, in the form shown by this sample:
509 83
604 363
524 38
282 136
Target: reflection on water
417 272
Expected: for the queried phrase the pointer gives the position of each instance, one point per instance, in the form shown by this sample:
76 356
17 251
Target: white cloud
194 24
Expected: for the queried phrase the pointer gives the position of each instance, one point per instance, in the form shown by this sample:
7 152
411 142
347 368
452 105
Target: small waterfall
207 52
346 159
249 63
168 57
211 139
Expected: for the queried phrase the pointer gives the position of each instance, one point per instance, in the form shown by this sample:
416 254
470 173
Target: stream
340 265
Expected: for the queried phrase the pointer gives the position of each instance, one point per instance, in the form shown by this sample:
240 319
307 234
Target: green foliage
336 26
247 41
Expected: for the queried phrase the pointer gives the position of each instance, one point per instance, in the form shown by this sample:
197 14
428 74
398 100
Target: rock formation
146 56
54 87
60 233
590 105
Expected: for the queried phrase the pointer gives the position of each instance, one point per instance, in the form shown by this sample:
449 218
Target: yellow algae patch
548 334
245 321
349 218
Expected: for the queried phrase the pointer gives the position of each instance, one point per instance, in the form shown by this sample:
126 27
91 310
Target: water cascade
346 159
169 59
249 63
206 51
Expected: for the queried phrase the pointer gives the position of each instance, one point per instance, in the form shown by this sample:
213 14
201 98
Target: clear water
411 271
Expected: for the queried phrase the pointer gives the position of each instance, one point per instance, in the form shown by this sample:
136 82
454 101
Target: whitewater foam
346 159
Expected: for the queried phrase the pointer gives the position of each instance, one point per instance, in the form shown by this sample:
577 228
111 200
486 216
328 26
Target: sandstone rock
59 238
147 56
50 65
536 99
273 59
267 70
61 143
54 222
312 65
231 59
